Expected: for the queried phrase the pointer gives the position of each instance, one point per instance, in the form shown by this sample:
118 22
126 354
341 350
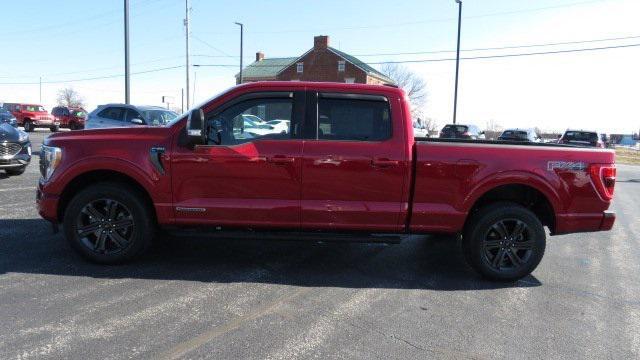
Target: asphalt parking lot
194 298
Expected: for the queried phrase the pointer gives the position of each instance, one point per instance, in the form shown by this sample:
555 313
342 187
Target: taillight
603 177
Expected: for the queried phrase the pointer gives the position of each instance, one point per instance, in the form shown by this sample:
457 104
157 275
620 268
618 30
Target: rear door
355 163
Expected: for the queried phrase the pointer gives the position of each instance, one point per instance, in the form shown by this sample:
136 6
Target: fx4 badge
565 165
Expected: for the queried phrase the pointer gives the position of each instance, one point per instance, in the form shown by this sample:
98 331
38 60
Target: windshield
581 136
158 117
34 108
455 128
513 134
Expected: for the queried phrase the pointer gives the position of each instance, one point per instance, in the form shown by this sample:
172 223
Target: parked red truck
32 116
348 167
70 117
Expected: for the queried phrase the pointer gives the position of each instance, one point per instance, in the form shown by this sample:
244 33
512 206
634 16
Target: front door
356 164
248 173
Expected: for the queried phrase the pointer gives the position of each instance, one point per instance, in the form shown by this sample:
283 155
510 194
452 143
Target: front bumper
23 158
47 205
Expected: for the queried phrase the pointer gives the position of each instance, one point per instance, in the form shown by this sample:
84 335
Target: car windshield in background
455 128
158 117
581 136
79 114
34 108
521 135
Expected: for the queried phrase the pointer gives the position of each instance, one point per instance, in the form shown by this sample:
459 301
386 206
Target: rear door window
353 119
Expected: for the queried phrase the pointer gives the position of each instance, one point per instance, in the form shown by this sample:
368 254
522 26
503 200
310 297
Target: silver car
123 115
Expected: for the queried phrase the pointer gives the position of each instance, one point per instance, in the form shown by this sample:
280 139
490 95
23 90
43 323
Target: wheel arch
531 195
86 179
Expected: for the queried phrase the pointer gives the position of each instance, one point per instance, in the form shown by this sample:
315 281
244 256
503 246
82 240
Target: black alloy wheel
105 226
504 241
508 244
109 222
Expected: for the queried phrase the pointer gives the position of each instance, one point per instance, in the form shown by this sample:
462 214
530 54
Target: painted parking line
19 189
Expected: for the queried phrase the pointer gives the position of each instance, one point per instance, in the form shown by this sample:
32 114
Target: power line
94 78
367 63
211 46
307 30
462 58
504 47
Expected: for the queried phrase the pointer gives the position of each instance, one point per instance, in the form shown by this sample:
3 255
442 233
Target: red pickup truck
32 116
347 168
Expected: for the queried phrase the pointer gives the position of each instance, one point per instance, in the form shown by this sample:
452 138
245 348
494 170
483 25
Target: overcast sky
71 40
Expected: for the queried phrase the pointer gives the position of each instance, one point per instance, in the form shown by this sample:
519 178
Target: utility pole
241 34
455 96
186 26
126 53
40 90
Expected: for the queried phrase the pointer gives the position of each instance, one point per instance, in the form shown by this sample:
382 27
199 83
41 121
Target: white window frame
341 65
300 67
350 80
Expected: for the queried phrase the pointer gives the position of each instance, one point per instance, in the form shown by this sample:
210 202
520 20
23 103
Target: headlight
22 136
50 158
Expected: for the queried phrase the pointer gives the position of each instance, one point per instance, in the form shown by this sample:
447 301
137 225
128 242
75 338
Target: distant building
320 63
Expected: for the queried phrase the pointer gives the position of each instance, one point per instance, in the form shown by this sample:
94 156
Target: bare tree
411 83
70 97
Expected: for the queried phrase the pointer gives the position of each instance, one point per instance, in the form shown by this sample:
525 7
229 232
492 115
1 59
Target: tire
504 241
16 172
28 126
108 239
54 128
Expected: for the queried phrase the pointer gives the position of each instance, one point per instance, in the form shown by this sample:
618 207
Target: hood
110 134
9 133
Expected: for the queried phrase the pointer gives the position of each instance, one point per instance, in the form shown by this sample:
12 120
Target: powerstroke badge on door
565 165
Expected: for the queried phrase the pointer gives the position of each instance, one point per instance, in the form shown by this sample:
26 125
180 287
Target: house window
300 68
341 66
350 80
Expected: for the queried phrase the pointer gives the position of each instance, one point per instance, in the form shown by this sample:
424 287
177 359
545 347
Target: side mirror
195 127
137 121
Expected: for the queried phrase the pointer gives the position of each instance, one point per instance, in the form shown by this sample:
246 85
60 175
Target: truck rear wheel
504 241
109 223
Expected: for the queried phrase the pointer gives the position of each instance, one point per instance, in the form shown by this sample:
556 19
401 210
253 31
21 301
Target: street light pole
241 34
126 52
186 25
455 96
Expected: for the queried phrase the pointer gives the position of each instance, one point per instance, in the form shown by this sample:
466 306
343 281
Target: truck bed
450 175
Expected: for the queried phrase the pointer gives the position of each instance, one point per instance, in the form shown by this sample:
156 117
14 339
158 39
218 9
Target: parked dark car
15 149
581 138
7 118
525 135
461 131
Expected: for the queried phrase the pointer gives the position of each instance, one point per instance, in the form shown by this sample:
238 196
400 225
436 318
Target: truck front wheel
109 223
504 241
28 126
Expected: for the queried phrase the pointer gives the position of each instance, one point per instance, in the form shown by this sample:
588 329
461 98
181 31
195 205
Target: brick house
320 63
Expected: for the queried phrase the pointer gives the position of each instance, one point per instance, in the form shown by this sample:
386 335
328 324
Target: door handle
281 159
384 162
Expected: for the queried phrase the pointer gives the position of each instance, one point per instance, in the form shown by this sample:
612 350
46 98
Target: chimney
321 42
259 56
